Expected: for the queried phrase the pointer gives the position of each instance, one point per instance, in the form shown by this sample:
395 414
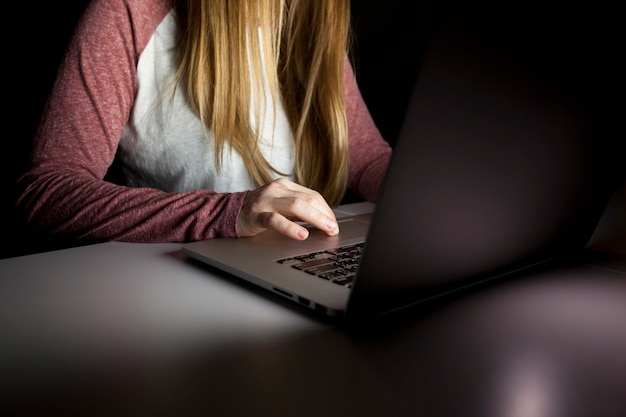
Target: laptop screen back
509 158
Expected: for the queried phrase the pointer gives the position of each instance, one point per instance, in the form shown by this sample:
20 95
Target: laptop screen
504 159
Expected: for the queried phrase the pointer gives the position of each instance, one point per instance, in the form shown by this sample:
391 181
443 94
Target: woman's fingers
279 205
312 197
283 225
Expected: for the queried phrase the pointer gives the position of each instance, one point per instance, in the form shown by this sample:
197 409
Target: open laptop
502 164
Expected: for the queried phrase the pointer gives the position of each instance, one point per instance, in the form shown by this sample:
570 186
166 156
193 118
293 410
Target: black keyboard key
338 265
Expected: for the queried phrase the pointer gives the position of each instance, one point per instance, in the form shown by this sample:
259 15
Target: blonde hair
304 45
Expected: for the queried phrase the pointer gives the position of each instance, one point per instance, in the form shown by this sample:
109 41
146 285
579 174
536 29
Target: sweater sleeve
64 192
369 153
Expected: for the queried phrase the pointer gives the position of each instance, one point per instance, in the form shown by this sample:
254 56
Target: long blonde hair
304 44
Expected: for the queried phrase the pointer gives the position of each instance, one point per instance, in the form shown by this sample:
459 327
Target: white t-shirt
164 144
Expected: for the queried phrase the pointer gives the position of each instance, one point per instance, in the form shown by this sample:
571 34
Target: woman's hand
279 204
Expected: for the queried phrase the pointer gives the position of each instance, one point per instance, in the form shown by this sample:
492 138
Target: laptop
501 165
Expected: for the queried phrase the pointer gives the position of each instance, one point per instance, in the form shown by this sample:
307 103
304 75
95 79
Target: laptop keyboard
337 265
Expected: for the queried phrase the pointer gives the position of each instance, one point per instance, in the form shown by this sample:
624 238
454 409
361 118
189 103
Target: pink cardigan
64 193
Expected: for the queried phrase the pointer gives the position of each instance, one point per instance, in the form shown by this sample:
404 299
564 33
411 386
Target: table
140 329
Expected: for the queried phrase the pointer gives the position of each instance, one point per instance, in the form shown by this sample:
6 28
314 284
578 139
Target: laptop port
320 308
282 292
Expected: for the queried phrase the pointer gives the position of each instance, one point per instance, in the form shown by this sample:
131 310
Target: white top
164 145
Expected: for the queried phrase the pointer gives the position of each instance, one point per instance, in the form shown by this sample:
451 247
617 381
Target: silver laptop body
501 165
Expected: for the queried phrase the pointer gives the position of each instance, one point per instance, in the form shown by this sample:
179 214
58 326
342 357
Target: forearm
75 207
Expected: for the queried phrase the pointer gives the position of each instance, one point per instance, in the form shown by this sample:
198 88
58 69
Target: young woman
227 118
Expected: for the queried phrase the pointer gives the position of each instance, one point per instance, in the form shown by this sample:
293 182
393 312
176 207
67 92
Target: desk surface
133 329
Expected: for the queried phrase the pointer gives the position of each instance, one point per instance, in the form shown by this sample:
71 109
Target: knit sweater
112 98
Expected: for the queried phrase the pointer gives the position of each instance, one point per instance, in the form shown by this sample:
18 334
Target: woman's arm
64 192
369 153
